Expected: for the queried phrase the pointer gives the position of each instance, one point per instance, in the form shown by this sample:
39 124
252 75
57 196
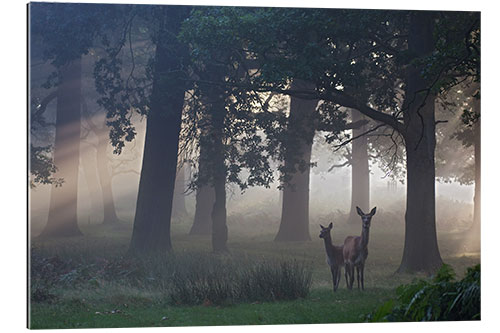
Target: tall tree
102 164
151 232
360 170
63 220
205 197
67 32
294 224
421 252
179 200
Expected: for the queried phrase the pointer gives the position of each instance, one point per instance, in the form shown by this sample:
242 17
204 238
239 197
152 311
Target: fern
441 298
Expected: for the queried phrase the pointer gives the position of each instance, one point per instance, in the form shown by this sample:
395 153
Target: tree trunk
421 252
88 163
360 174
151 232
108 201
219 214
218 172
205 199
179 202
473 242
295 209
62 220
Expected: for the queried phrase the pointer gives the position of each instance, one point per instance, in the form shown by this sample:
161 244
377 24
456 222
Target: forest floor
74 298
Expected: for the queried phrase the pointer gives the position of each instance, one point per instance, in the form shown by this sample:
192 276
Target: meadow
88 281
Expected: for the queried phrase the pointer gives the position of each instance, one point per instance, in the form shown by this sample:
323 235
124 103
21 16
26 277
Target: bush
268 281
442 298
202 280
218 281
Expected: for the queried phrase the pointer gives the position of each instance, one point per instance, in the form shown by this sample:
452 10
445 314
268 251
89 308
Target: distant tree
179 200
360 170
461 140
56 25
66 33
103 167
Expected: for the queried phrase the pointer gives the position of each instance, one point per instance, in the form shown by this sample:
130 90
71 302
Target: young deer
334 255
356 251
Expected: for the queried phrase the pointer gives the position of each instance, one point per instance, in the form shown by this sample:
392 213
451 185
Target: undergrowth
184 278
441 298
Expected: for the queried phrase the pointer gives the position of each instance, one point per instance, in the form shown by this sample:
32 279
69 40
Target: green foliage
68 30
442 298
42 167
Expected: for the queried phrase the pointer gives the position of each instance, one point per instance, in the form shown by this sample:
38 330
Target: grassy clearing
134 295
321 306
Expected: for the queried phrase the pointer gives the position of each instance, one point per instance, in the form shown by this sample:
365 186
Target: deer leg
346 274
339 271
357 275
351 276
334 277
363 277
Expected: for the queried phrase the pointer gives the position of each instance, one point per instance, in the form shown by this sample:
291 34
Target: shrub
267 281
442 298
202 280
219 281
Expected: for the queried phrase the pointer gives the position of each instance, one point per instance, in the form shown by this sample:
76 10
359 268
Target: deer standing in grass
334 255
356 251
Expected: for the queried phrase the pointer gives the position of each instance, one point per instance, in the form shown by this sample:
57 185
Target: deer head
366 218
325 231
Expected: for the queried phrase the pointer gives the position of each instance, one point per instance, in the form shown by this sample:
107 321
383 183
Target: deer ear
330 225
360 212
322 227
374 210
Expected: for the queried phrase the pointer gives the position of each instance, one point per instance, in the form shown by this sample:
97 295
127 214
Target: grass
128 300
321 306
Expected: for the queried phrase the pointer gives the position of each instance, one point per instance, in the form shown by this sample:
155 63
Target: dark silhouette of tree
294 224
151 231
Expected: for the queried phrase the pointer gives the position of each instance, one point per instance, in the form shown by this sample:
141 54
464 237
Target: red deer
356 251
334 255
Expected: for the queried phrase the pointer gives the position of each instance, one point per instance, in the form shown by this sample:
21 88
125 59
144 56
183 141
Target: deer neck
365 235
328 246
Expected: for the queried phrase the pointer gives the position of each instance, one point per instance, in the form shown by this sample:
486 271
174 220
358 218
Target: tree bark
179 201
151 232
294 224
421 252
62 219
218 172
205 199
360 171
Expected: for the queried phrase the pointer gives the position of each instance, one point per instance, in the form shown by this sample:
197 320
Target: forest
202 165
